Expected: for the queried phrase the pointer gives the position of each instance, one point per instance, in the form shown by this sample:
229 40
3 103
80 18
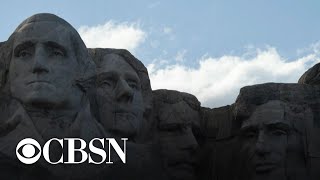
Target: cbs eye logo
28 151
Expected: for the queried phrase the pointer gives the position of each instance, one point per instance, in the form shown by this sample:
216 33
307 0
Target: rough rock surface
311 76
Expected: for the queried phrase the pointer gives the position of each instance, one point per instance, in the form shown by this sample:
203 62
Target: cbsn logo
29 147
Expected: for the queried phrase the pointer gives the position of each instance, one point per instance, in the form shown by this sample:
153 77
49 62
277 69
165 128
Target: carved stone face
43 66
265 138
177 140
119 96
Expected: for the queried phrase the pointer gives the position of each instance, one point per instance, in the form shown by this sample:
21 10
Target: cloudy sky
209 48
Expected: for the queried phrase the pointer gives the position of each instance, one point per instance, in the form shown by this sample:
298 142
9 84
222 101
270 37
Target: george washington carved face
43 65
47 58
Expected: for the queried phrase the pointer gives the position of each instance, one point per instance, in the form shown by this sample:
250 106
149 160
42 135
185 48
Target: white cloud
167 30
181 55
154 4
314 47
169 33
217 81
113 35
154 43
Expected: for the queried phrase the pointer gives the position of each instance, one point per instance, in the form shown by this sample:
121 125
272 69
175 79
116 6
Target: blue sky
179 38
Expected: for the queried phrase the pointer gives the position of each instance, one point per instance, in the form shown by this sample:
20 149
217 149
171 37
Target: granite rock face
311 76
53 86
217 153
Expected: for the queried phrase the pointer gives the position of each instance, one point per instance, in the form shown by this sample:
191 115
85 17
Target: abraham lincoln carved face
265 139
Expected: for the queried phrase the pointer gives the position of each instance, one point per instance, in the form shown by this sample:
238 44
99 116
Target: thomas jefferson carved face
43 66
119 96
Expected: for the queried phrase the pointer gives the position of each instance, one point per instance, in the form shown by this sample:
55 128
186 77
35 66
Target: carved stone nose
261 144
39 64
124 92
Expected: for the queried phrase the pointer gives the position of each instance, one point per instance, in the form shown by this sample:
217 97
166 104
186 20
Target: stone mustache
53 86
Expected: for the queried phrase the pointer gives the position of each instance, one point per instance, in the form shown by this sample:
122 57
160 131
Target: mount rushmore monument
52 87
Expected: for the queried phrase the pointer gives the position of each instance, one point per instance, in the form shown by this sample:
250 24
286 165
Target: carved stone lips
38 81
262 167
185 166
123 110
183 162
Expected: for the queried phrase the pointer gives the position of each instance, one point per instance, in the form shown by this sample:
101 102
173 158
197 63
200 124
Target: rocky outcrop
311 76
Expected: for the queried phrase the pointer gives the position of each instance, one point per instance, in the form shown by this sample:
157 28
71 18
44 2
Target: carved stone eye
24 53
249 134
106 83
279 132
57 53
133 85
